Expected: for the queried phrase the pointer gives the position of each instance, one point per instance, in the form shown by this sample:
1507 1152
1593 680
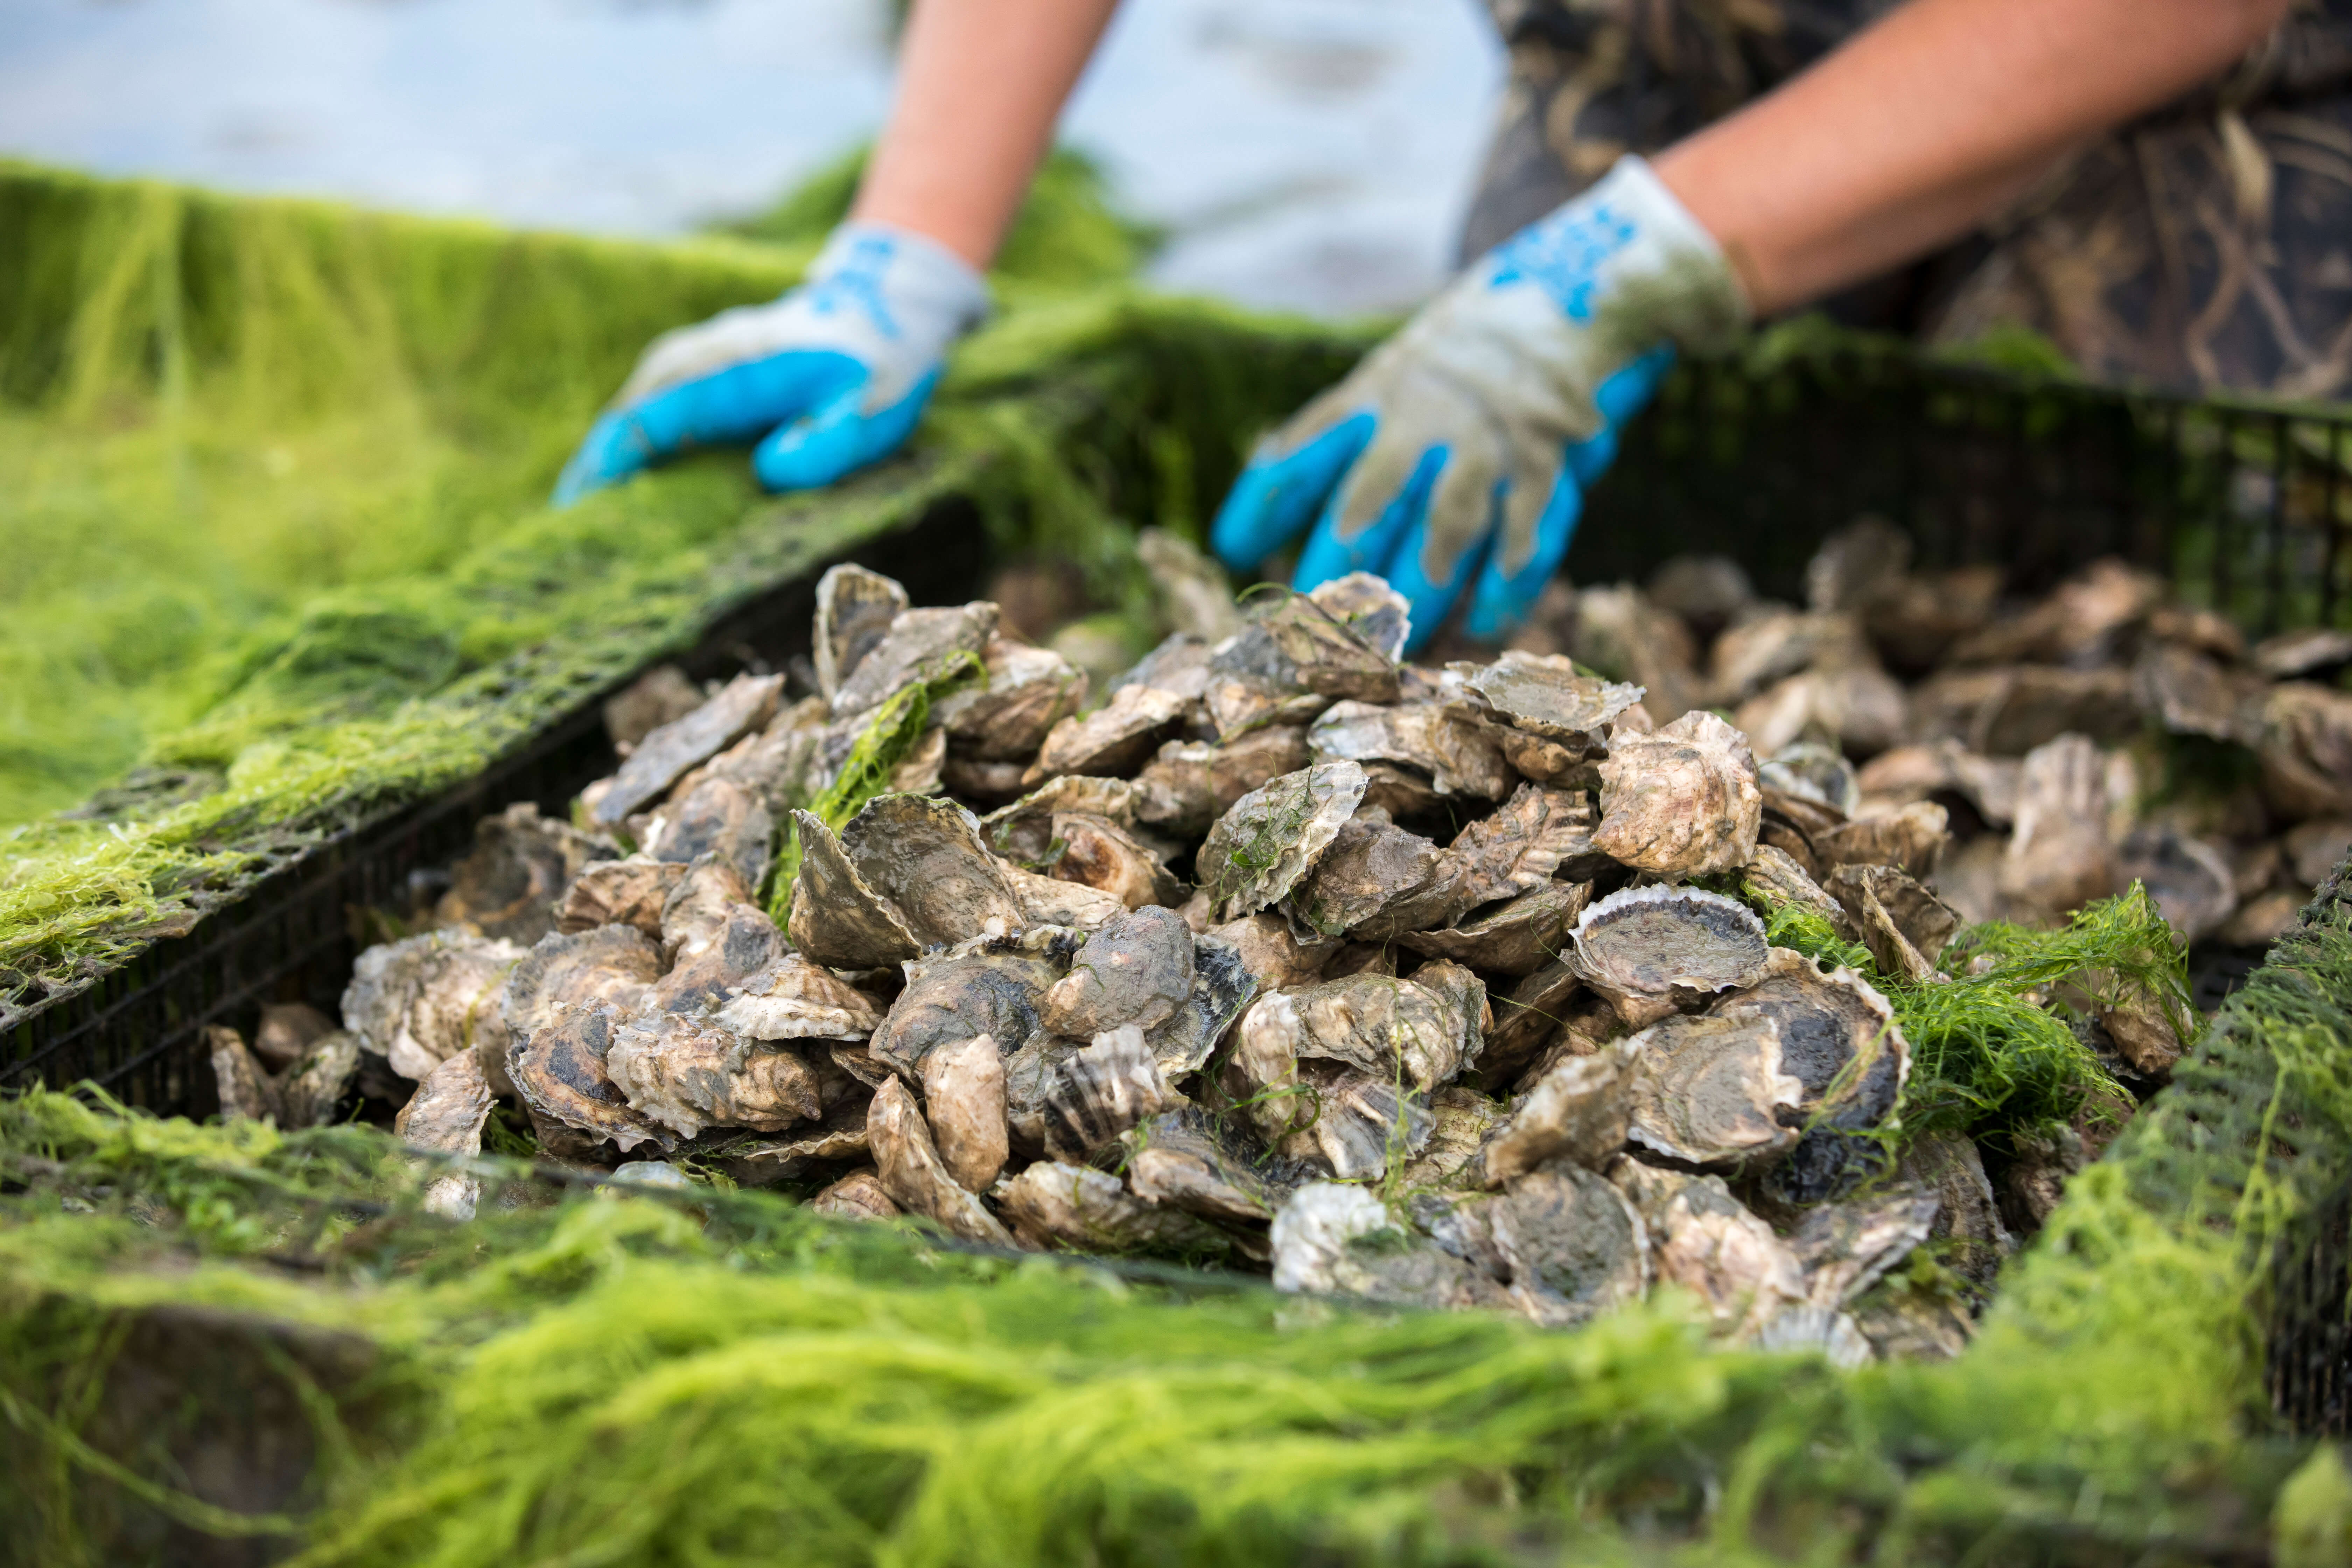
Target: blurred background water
1307 155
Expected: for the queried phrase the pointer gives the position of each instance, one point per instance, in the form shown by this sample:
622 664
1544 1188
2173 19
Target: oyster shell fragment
446 1115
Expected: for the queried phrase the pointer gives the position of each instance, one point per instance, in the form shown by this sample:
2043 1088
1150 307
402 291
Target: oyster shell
1858 705
748 943
1190 784
1767 648
1709 1242
1536 833
1776 879
1525 1021
983 988
924 855
854 608
1847 1248
663 757
717 817
312 1087
1911 840
619 892
610 966
792 999
1565 1245
1456 750
1357 1124
1542 695
1137 969
1811 771
559 1071
1819 1330
1681 801
1180 665
1967 1218
1055 1206
1051 901
1273 836
701 901
288 1030
1100 1092
2059 857
915 1176
1837 1036
419 1002
2306 751
1028 692
1461 1119
1374 613
248 1092
1023 831
656 698
446 1115
1374 878
963 1100
1190 588
2191 694
837 920
1425 1030
1519 937
1649 949
1189 1159
919 642
1114 740
1712 1089
1269 953
521 864
1098 853
857 1196
804 1148
1579 1111
1904 925
688 1073
1335 1239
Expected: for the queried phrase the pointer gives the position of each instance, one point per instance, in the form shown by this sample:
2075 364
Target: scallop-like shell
1661 944
1457 751
984 987
1028 692
1713 1089
1565 1245
1681 801
1273 836
917 644
520 863
1191 783
854 608
417 1003
1057 1206
792 999
963 1101
1579 1111
559 1071
925 856
690 1073
619 892
1542 695
1114 741
838 919
1519 937
1709 1242
664 757
915 1176
1101 1091
1189 1159
1138 969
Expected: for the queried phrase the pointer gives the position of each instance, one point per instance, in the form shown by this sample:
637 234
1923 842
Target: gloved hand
1464 444
828 378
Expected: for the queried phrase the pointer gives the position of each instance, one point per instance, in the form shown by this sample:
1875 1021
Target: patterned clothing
2206 247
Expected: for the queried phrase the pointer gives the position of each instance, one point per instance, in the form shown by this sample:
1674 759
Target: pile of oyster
1398 981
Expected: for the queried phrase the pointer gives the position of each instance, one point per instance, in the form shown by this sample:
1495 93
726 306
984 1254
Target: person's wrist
938 294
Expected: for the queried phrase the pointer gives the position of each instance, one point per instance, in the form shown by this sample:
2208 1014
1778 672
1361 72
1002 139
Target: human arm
1457 457
835 373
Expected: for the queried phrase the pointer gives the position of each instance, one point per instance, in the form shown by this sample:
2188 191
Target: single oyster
1051 901
1029 690
1138 969
1564 1244
313 1087
1098 853
1459 752
803 1150
1837 1036
1681 801
1023 831
1712 1089
1101 1091
688 1073
1114 740
663 757
619 892
837 920
748 943
1374 613
1273 835
1813 772
857 1196
963 1100
2306 751
447 1114
1579 1111
522 863
915 1176
792 999
1649 949
1374 878
1709 1242
1425 1029
656 698
1460 1119
854 608
1057 1206
924 855
610 966
288 1030
1904 925
2059 857
1190 1160
1191 783
1517 937
1335 640
1192 590
1846 1248
1335 1239
417 1003
983 988
559 1071
247 1091
2191 694
917 645
1536 833
1356 1124
1525 1022
1541 694
719 818
700 904
1911 841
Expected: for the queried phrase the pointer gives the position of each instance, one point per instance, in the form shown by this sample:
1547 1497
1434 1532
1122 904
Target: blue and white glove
827 379
1461 447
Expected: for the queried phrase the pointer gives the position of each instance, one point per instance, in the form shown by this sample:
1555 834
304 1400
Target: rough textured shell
1579 1111
1847 1248
420 1002
1709 1242
1190 782
1051 901
1681 801
310 1091
1813 772
1187 1160
1904 925
690 1073
1536 833
663 757
963 1101
966 992
700 905
560 1072
619 892
748 943
1458 752
854 608
1055 1206
1098 853
913 1174
1544 696
1222 986
1712 1089
1379 1025
610 966
1655 941
521 864
925 856
1358 1123
1271 837
1138 969
1515 938
1101 1091
717 817
1114 740
1374 613
792 999
1028 692
836 918
1374 878
918 643
1825 1023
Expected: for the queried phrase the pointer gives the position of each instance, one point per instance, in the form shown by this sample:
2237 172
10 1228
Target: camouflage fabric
2207 246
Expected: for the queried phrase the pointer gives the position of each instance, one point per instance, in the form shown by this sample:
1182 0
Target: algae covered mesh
1496 985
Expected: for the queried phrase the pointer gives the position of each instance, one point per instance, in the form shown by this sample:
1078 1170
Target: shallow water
1310 154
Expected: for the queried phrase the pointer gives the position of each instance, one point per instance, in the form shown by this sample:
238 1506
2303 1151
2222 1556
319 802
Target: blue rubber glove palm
826 379
1459 453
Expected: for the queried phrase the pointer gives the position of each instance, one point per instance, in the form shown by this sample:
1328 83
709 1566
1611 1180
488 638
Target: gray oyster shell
1270 954
1373 879
1564 1245
963 1101
1100 1092
1460 1119
1910 839
1222 986
1357 1124
311 1089
1137 969
1054 1206
924 857
1775 877
688 1073
1425 1029
837 920
748 943
1542 695
792 999
1904 925
664 757
802 1149
1713 1089
1098 853
1837 1037
1517 937
1114 741
1536 833
917 645
559 1071
915 1176
717 817
1273 835
1336 1239
1192 1161
1022 832
1681 801
989 986
619 892
611 967
2059 856
1028 692
1525 1021
1812 771
1707 1241
700 904
521 864
247 1091
854 608
419 1002
447 1114
1454 747
1847 1248
1650 947
1374 613
1579 1111
1051 901
1191 783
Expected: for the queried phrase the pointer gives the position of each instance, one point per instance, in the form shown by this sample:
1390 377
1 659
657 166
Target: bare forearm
980 83
1930 121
